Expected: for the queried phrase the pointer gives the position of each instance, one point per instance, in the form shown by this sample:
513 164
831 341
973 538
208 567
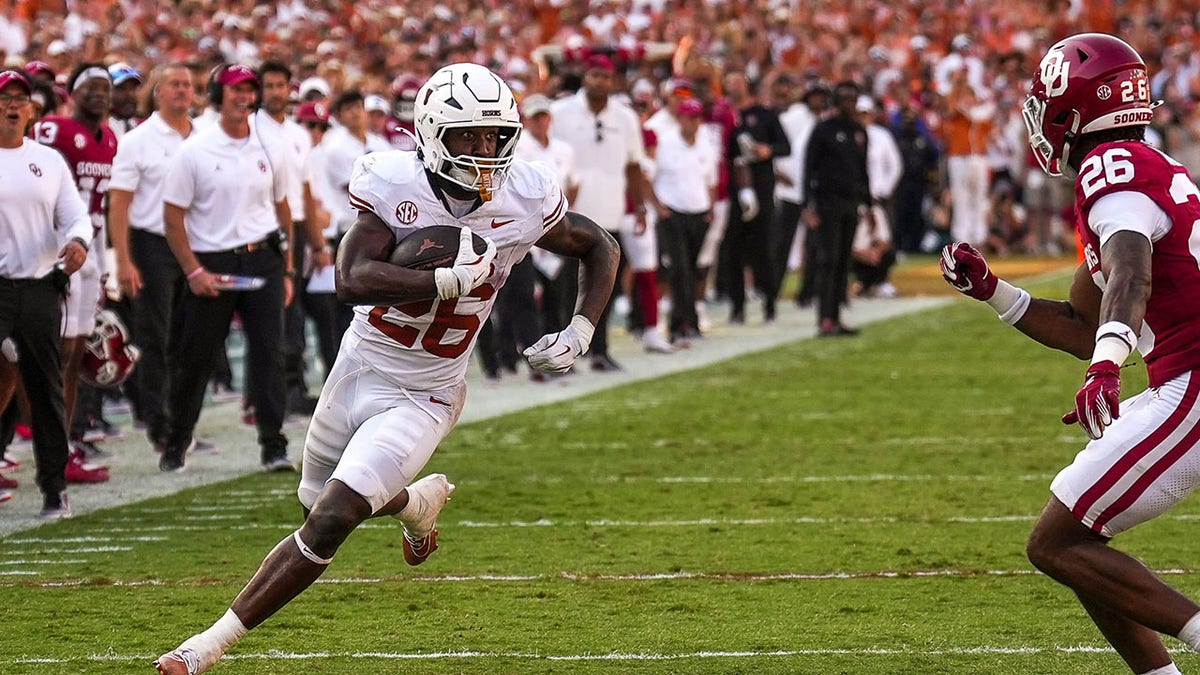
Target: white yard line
616 656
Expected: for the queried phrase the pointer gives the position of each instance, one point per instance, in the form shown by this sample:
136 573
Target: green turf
844 506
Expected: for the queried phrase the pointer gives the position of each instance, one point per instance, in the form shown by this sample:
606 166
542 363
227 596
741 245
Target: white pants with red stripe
1145 463
372 434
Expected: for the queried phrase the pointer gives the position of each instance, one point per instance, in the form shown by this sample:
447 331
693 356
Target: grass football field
832 506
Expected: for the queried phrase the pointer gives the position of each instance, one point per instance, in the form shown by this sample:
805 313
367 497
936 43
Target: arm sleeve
633 132
780 145
554 203
179 187
1128 211
70 213
125 173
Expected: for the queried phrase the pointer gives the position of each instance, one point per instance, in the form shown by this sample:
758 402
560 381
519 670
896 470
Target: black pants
910 218
787 219
152 319
599 348
747 244
871 276
680 236
31 314
559 295
199 327
517 322
834 237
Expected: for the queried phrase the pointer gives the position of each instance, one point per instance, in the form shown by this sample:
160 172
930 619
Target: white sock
212 643
1168 669
414 509
1190 633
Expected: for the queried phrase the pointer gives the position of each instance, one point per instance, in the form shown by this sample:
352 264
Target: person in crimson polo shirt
45 233
228 223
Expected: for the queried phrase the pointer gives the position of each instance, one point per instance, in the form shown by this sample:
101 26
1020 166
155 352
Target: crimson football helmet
108 356
1085 83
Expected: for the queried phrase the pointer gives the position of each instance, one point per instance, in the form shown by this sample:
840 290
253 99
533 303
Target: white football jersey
426 345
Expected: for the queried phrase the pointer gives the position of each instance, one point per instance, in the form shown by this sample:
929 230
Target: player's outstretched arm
577 236
1069 326
365 277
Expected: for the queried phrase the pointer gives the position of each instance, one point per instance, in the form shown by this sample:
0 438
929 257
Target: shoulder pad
392 166
531 180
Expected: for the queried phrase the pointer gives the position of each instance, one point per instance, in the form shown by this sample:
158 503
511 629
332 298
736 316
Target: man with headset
228 223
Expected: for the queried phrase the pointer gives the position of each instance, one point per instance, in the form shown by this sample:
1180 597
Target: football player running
1138 212
398 384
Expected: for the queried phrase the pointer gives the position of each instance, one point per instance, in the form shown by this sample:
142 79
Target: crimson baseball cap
313 111
237 74
39 69
8 77
599 62
690 107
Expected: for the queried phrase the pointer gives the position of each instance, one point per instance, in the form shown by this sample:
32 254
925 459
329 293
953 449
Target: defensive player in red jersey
1139 219
89 145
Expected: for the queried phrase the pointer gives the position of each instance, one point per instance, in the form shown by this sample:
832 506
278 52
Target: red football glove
964 268
1098 402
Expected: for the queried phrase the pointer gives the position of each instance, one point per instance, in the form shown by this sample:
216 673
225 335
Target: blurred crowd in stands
936 86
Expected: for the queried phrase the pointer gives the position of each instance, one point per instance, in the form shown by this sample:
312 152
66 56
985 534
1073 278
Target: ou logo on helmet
1055 71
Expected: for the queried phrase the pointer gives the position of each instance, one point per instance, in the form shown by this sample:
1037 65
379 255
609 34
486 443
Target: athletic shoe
80 471
93 454
7 464
201 447
171 462
224 394
426 498
56 507
280 463
654 343
6 482
178 662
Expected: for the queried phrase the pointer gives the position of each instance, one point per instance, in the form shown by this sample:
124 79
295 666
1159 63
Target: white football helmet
466 95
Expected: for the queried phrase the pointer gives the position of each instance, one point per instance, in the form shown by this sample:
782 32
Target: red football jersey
90 158
1170 337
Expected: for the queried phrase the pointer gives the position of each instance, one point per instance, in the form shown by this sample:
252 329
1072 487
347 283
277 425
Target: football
432 247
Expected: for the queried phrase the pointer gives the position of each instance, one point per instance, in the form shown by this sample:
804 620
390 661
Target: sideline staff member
44 224
227 219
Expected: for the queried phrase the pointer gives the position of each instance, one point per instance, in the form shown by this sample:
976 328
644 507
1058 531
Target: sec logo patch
406 212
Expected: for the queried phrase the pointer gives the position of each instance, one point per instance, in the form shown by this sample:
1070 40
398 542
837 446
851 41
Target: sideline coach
227 219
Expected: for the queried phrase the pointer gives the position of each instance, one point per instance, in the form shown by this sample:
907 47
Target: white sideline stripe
88 549
79 540
613 656
42 562
672 576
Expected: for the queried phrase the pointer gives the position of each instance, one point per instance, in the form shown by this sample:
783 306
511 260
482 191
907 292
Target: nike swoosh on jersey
501 223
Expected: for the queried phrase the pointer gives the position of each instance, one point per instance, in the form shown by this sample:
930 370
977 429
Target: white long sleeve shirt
40 210
884 163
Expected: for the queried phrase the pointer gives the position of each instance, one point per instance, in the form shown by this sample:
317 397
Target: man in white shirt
797 122
227 222
146 269
607 138
309 250
46 231
685 182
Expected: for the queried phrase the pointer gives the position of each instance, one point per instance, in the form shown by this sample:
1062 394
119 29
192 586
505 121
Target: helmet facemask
484 175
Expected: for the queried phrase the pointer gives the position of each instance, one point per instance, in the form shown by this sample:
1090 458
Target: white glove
469 269
556 352
749 203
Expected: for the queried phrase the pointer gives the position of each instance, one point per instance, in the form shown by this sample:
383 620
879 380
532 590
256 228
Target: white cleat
426 498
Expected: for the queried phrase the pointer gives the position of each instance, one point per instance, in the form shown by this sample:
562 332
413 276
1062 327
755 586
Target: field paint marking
79 540
274 655
572 576
88 549
42 562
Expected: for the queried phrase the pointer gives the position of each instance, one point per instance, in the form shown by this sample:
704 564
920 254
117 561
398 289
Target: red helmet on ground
108 356
1085 83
